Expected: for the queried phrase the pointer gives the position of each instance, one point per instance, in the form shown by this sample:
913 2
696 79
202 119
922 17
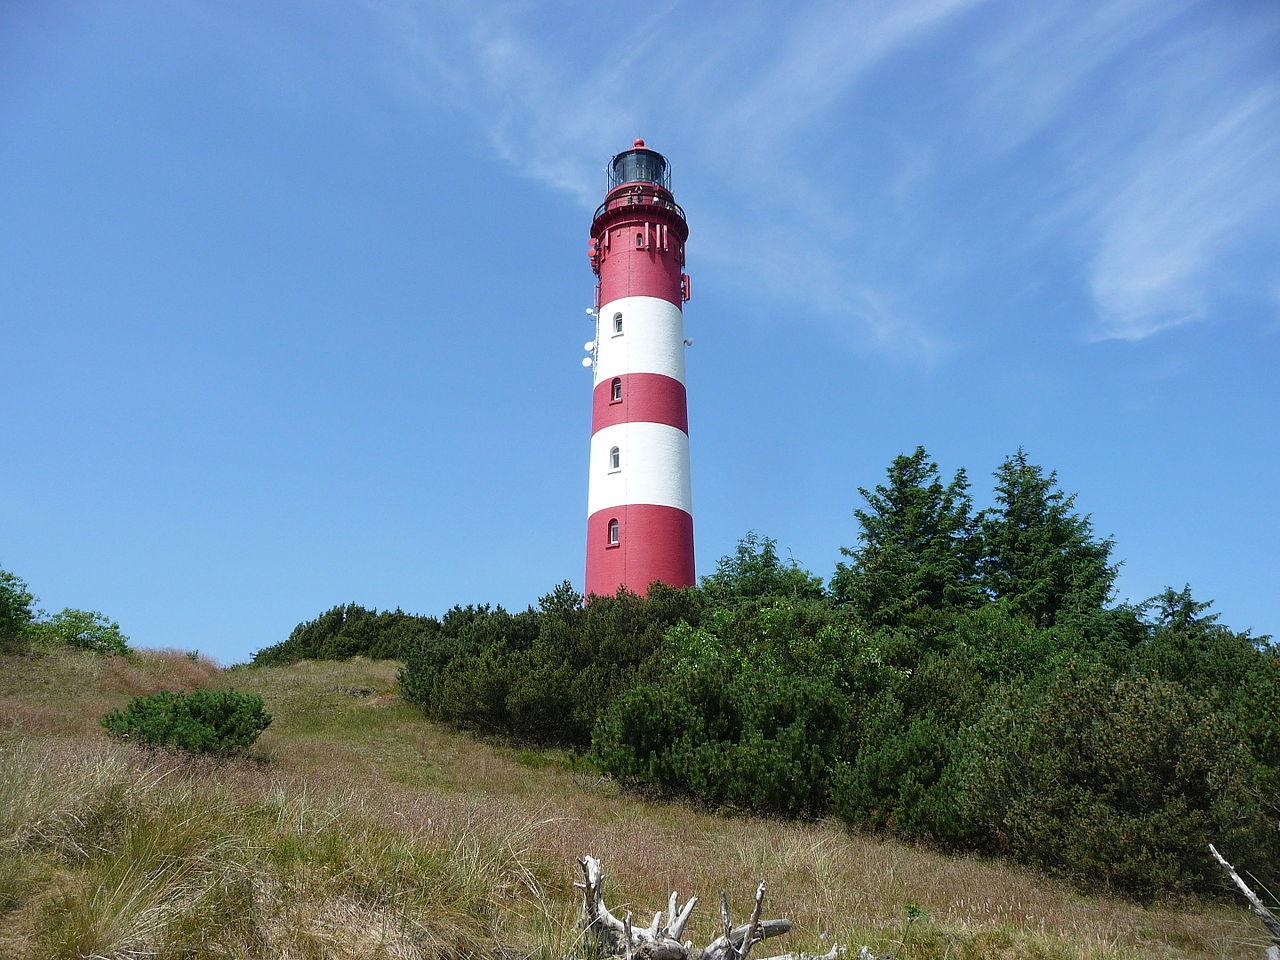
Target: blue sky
291 295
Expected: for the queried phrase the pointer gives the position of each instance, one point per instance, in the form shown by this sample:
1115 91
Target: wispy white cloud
815 285
555 116
1153 158
544 110
1024 74
823 51
1168 150
1189 196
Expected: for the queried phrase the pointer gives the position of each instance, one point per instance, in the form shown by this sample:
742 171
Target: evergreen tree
1179 610
754 570
563 599
918 549
1039 554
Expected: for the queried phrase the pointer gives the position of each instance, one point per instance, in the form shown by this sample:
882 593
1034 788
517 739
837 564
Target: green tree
563 599
83 629
917 546
755 570
1179 610
16 613
1038 553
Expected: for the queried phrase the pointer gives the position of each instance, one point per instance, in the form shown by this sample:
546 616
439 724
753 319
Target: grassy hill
356 829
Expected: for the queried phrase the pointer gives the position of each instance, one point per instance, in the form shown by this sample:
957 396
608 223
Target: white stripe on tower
651 341
646 454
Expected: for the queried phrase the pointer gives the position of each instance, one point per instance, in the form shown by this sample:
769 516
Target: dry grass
358 830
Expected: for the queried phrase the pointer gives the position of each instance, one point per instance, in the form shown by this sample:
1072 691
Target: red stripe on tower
656 541
645 397
639 505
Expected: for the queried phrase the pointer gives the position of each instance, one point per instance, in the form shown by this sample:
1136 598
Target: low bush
349 630
967 679
541 675
1116 781
82 629
25 630
16 613
203 721
1114 766
731 731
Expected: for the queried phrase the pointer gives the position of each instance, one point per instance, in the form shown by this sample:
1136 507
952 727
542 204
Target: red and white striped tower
639 506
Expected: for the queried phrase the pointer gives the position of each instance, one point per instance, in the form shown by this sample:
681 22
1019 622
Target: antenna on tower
586 361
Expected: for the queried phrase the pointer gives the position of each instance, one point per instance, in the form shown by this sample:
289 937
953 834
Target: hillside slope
356 829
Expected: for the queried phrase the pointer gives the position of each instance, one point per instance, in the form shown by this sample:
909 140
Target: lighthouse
639 501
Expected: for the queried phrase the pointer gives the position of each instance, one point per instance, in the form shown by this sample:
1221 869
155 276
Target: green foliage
202 721
1116 781
82 629
727 729
917 546
966 681
1038 554
16 613
348 631
541 675
755 570
23 629
901 775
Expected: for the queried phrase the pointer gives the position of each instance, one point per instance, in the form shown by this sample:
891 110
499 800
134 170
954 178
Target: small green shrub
15 613
82 629
203 721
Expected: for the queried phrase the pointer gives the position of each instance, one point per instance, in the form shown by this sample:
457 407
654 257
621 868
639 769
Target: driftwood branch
1255 904
661 939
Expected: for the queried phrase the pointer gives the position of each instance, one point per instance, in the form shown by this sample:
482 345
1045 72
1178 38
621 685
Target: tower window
615 533
615 459
617 323
615 391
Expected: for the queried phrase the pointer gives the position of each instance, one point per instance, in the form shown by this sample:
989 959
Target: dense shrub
977 734
1117 781
900 774
23 629
542 675
727 729
16 613
348 631
967 681
203 721
82 629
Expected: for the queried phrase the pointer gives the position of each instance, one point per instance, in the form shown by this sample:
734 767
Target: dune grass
355 829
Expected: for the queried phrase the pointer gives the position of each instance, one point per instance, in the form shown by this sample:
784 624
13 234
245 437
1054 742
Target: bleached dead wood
660 940
1255 904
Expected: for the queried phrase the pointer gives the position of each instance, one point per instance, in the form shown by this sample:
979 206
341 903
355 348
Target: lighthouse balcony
636 203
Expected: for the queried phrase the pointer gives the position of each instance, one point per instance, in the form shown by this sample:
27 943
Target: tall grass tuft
152 857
